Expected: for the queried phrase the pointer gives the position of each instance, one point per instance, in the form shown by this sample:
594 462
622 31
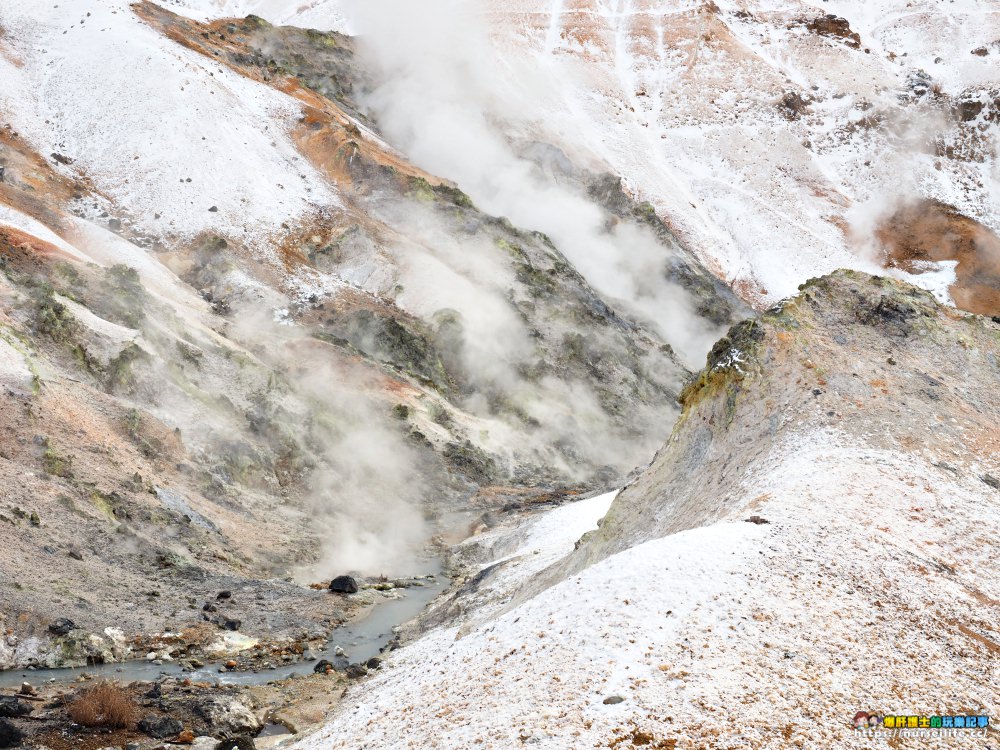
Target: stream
361 639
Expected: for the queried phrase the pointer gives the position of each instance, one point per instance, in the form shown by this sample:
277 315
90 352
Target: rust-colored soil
930 230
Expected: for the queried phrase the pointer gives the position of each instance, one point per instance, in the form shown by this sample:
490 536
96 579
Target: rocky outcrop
873 358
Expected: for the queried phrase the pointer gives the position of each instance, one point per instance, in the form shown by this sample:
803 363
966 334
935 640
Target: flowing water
361 639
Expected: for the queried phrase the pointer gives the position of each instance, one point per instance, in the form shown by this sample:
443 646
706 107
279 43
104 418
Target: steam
450 101
366 490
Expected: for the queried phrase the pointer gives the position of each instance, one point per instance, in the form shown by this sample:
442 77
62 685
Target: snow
160 129
580 632
713 632
11 217
683 103
327 15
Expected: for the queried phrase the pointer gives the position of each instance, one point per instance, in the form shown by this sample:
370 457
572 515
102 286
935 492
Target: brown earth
929 230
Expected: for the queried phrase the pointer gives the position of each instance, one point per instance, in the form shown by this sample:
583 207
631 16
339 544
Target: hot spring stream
361 639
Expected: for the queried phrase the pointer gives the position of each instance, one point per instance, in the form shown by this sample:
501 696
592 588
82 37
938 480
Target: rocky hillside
245 340
830 492
777 138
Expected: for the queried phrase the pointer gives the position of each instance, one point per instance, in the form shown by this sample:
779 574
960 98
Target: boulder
12 707
62 626
10 736
355 671
229 715
160 727
344 585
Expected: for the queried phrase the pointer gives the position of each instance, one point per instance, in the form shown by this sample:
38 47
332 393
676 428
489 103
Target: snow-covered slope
768 141
179 144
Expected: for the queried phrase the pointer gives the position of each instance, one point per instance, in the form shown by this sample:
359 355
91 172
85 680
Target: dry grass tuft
105 704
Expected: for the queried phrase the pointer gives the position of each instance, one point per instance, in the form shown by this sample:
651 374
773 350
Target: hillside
647 350
735 594
247 340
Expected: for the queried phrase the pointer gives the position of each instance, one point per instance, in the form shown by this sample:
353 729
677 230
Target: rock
232 715
160 727
354 671
323 666
28 689
62 626
757 520
373 663
991 481
11 707
611 700
185 738
35 519
224 595
76 554
230 664
10 736
240 742
114 224
338 651
213 209
344 585
339 664
204 743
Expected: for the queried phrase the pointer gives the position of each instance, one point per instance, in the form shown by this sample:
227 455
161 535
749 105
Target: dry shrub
105 704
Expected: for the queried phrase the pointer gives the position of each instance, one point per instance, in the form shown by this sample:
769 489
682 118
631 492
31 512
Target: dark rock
209 607
242 742
76 554
339 664
968 111
344 585
323 666
114 224
373 663
757 520
224 595
793 106
11 707
613 699
214 209
992 481
355 671
62 626
160 727
10 736
833 26
231 624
